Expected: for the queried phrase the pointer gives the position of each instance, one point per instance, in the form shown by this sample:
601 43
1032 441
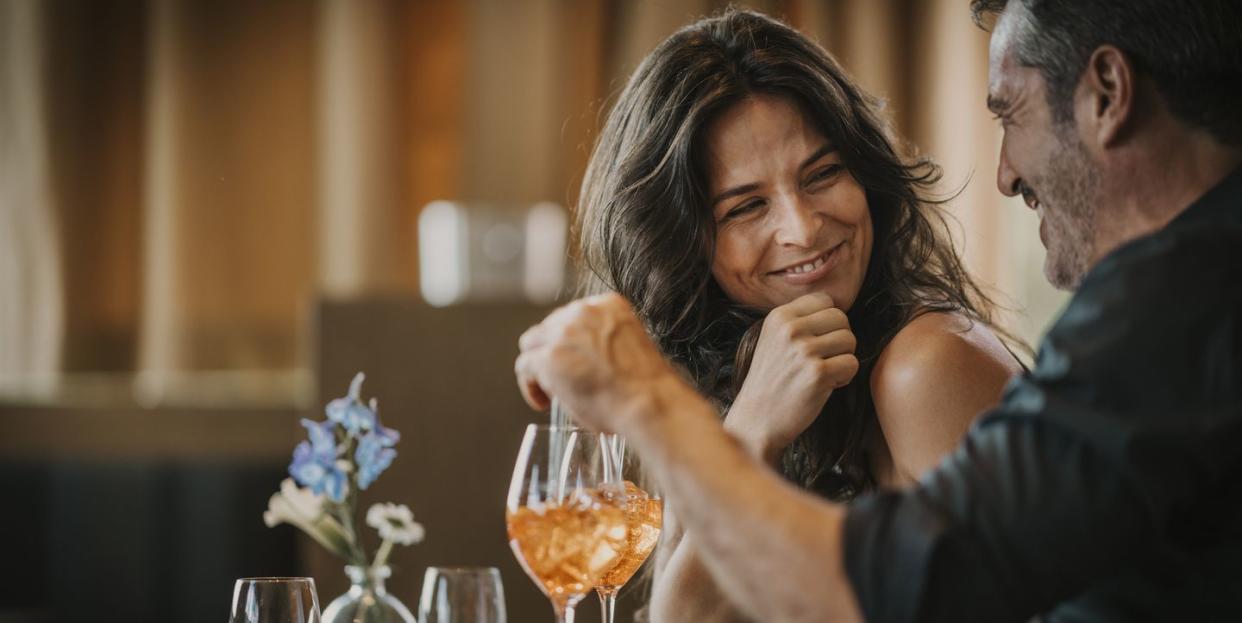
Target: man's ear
1104 101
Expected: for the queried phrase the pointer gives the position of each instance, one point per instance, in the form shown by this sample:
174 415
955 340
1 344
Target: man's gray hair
1191 50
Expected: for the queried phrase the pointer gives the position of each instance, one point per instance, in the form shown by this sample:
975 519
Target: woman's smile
813 270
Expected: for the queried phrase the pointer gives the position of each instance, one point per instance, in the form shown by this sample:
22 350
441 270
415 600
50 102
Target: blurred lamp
488 253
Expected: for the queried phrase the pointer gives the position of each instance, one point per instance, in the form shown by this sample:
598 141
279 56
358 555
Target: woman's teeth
809 266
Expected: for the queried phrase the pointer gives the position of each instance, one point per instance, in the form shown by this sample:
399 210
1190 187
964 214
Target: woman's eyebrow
735 191
745 188
819 153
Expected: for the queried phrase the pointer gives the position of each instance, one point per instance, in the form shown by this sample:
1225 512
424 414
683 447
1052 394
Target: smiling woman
790 219
742 170
746 197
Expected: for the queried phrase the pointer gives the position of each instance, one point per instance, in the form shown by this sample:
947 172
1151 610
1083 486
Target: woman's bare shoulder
936 339
938 373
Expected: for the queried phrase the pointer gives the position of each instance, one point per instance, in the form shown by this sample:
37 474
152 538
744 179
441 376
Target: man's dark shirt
1108 484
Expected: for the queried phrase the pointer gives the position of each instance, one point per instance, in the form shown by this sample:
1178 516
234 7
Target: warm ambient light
480 252
442 258
546 224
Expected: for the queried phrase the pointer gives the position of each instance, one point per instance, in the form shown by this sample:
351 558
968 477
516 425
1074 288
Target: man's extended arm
773 548
1133 414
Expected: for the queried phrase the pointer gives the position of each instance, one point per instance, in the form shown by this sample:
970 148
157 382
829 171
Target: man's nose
1006 178
799 225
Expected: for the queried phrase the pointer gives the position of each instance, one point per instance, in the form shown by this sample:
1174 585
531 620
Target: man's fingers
609 300
532 392
531 338
562 354
540 334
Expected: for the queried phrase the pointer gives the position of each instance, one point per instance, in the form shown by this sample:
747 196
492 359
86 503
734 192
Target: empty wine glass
565 524
274 600
462 595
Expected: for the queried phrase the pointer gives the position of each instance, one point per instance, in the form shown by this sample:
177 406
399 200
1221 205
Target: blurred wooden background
208 210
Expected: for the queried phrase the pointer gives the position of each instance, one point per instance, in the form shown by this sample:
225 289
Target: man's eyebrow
997 105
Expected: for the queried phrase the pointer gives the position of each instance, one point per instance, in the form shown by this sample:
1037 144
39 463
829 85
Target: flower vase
367 601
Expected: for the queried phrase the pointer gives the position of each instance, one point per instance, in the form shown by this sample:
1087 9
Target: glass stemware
462 595
565 522
274 600
644 517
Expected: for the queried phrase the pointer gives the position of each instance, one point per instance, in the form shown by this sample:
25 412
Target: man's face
1041 159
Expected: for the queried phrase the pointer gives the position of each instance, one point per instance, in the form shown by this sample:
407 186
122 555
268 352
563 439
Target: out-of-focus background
210 219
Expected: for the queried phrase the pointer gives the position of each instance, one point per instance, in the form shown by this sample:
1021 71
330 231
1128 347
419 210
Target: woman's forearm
683 590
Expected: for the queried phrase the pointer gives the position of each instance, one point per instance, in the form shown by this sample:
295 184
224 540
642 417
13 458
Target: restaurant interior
214 213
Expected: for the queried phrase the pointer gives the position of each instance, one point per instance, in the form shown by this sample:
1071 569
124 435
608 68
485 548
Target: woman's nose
797 224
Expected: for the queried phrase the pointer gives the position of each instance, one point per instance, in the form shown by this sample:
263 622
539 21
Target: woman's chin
837 294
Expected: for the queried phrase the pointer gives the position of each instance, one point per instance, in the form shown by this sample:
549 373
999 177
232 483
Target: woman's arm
805 350
934 378
682 587
937 375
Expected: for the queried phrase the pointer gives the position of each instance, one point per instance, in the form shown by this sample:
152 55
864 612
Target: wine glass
565 524
462 595
275 600
644 517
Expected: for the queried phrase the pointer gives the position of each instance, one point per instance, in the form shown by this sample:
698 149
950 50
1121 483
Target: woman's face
790 219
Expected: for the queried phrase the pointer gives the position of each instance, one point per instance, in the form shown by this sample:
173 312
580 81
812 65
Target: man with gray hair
1107 486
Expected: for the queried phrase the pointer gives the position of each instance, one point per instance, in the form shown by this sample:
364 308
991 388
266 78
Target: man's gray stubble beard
1069 198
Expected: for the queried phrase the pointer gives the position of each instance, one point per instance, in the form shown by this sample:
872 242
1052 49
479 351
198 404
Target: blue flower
353 416
350 412
374 455
388 437
314 462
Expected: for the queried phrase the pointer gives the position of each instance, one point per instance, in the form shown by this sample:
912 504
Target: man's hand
773 549
805 351
594 355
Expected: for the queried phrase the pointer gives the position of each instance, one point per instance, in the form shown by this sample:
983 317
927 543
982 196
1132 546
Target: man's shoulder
1174 275
1158 316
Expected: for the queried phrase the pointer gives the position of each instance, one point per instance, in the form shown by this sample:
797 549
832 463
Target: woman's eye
824 173
742 210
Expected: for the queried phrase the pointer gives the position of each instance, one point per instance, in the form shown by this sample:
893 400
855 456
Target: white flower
302 509
395 522
302 502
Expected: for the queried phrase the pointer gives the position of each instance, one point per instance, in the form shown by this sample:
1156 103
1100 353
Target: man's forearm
776 549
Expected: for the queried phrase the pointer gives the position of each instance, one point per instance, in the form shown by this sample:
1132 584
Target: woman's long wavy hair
646 228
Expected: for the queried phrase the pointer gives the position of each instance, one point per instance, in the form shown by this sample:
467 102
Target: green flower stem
381 556
344 511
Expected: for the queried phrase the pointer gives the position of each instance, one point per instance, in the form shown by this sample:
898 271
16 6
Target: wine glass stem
564 612
607 605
